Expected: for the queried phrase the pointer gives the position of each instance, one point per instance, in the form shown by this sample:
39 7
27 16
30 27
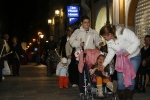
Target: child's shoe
60 87
110 86
74 85
100 91
66 87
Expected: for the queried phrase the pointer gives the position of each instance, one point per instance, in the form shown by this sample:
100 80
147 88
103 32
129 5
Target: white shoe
74 85
3 77
100 94
110 86
100 91
81 94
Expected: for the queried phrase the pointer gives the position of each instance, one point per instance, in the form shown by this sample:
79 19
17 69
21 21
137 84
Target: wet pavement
33 84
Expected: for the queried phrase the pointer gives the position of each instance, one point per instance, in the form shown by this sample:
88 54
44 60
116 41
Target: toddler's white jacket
62 70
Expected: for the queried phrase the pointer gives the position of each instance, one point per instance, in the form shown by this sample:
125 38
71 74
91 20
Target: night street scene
74 50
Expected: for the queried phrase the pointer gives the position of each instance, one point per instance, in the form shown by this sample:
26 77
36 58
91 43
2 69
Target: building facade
131 13
134 14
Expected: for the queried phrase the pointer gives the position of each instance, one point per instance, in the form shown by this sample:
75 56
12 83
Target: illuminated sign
72 20
72 11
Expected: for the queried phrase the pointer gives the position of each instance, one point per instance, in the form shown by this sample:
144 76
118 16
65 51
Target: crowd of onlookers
11 53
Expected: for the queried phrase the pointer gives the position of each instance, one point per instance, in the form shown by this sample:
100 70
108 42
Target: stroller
90 89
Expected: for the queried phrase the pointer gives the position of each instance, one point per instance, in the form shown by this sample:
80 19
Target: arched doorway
101 19
131 14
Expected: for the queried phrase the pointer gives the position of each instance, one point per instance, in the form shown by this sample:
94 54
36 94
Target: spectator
7 43
51 55
16 56
2 51
6 37
64 39
145 53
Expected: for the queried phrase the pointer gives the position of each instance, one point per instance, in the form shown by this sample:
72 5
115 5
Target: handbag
6 69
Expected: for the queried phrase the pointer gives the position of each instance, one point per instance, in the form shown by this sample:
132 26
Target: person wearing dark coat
50 45
16 56
64 39
143 70
2 52
51 55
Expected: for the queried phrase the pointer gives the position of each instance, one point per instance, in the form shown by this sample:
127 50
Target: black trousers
81 78
16 67
143 71
73 72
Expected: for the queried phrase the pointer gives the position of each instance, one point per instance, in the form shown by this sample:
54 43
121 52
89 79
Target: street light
34 40
39 33
41 36
30 44
57 12
49 21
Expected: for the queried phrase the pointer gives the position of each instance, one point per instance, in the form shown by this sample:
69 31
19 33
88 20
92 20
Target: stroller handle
84 54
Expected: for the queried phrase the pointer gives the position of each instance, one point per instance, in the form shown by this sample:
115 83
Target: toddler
62 72
101 75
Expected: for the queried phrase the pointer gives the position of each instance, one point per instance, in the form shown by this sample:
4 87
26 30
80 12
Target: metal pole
107 12
40 50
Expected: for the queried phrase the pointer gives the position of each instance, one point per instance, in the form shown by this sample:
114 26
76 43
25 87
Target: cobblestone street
33 84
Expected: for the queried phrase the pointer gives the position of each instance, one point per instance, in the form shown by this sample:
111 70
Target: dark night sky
20 16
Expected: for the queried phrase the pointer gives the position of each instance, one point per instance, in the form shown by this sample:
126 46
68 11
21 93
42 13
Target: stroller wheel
82 97
92 99
85 97
113 98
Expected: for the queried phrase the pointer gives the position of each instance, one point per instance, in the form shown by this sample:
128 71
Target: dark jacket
50 45
148 61
4 52
62 49
17 52
145 54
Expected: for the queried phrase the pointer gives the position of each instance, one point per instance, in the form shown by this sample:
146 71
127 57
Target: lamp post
57 12
41 36
107 12
56 26
49 21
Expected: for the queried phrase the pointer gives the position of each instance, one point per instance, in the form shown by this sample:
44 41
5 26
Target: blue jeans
135 63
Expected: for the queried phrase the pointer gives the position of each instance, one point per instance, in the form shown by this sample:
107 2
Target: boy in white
62 72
